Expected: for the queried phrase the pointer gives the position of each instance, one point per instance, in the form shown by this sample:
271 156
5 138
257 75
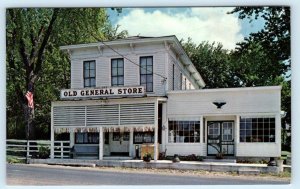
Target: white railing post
52 135
27 149
101 143
61 150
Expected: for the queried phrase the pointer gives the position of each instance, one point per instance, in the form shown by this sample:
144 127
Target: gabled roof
144 39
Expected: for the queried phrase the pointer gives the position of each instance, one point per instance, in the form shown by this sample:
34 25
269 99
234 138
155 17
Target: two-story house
145 90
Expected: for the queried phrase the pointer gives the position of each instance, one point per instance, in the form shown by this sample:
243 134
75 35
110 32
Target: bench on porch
84 151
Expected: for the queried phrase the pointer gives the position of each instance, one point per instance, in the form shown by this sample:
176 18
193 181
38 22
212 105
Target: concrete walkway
239 168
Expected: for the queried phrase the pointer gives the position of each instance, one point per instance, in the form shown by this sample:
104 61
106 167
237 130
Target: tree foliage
34 61
275 37
275 42
212 62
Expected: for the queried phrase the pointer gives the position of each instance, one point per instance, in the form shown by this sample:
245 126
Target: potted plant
219 155
147 157
176 158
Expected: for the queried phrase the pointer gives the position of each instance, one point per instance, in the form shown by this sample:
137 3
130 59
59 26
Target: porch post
237 129
155 143
72 139
131 142
156 132
100 143
237 134
201 131
52 135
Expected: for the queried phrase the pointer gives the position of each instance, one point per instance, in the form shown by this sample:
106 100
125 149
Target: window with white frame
117 72
146 73
184 131
89 73
257 129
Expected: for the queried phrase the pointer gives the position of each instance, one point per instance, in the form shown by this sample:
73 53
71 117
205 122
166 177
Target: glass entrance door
220 138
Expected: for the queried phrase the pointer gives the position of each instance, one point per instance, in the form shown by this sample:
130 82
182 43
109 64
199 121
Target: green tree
34 61
212 62
275 37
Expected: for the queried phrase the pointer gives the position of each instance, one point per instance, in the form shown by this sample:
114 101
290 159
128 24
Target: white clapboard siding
76 74
159 68
185 149
258 149
65 116
131 71
238 101
103 66
137 113
102 115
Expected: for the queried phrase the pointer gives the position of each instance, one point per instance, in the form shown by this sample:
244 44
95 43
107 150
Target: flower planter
279 163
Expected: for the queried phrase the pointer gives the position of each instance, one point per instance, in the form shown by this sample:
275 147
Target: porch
112 126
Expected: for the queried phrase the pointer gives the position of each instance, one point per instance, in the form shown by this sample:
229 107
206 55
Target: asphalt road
20 174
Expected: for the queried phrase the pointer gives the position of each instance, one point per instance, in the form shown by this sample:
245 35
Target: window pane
86 82
248 125
114 81
92 73
143 69
114 63
86 73
92 65
121 80
272 120
149 61
143 79
143 61
149 78
93 82
114 72
272 125
149 69
120 71
149 87
86 65
121 63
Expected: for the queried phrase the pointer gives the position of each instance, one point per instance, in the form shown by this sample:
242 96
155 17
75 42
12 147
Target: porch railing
30 148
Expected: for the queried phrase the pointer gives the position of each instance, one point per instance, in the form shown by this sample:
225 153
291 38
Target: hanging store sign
102 92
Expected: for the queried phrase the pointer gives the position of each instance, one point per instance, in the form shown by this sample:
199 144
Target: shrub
44 152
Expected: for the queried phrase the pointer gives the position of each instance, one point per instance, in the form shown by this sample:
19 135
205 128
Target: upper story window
146 72
117 72
89 73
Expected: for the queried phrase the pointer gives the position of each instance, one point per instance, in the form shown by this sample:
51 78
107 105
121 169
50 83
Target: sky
211 24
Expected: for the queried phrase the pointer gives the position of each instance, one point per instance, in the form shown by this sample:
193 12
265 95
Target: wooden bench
84 151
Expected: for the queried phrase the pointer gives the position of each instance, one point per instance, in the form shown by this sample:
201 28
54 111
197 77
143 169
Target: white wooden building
129 92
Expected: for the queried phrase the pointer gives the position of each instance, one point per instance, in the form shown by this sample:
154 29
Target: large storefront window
86 138
184 131
257 129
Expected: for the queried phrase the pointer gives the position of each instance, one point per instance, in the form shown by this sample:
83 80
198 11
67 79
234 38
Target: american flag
29 97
